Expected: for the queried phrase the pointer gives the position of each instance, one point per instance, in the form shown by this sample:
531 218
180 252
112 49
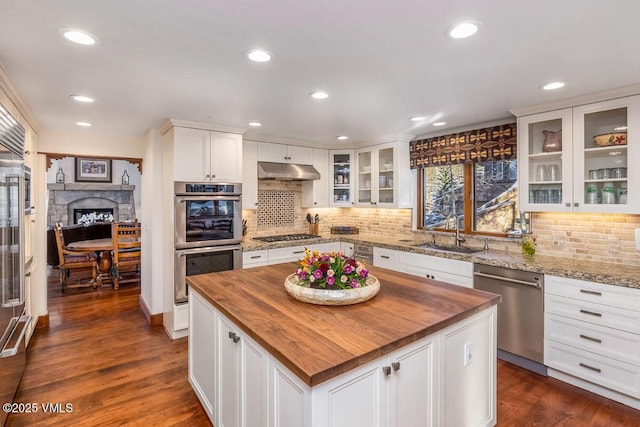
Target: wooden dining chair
73 260
126 252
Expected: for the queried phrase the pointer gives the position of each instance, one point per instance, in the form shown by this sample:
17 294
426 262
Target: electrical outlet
468 354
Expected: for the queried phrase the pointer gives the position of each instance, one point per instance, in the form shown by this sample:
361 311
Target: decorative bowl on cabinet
607 139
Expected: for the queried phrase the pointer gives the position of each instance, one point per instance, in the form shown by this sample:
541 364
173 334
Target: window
482 197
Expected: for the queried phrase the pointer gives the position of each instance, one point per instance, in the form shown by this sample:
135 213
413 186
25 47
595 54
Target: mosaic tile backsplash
276 208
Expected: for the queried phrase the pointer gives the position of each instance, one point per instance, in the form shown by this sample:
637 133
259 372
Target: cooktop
286 237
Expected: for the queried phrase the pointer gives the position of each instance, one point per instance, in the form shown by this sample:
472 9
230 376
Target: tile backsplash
597 237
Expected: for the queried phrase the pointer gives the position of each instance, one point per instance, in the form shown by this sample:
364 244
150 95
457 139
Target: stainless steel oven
207 214
189 262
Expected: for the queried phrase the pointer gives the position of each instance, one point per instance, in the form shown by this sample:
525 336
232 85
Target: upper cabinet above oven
201 154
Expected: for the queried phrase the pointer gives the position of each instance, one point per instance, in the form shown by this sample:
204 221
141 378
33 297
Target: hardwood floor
101 356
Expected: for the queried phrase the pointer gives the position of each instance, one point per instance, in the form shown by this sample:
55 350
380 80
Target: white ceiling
380 61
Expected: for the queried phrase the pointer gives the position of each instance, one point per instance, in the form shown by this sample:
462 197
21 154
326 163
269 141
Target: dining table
103 248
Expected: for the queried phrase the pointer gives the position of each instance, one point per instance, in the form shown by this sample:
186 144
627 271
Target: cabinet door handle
586 291
586 337
395 366
386 370
590 313
234 337
591 368
384 256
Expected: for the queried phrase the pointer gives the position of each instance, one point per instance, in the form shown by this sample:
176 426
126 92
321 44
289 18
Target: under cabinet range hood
287 171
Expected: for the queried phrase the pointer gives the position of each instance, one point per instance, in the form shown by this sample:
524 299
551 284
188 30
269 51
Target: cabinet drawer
436 275
280 255
599 314
600 370
606 342
434 263
385 258
617 296
255 258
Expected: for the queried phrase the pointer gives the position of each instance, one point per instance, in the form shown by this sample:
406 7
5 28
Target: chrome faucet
459 238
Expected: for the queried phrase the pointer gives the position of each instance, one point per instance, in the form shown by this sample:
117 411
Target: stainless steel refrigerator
13 321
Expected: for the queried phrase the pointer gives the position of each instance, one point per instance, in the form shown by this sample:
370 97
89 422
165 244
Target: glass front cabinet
375 169
581 159
341 176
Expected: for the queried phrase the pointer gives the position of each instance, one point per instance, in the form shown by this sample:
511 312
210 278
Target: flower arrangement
331 271
90 218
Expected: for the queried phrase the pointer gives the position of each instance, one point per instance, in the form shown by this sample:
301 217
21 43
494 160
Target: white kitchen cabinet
396 390
575 178
341 178
442 269
592 337
315 194
295 253
206 155
252 259
347 248
228 370
249 174
385 258
381 171
281 153
202 352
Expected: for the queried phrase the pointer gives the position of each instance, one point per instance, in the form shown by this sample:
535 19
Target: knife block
314 229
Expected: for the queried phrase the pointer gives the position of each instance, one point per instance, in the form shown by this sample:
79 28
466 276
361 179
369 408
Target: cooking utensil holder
314 229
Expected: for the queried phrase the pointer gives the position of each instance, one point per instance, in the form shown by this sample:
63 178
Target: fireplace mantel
89 186
64 198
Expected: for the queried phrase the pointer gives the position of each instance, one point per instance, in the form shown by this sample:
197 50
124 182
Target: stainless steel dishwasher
520 314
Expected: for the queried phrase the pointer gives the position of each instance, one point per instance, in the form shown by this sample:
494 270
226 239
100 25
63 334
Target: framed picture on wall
93 170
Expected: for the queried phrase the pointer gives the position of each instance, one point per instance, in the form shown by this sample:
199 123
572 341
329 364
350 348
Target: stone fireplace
67 200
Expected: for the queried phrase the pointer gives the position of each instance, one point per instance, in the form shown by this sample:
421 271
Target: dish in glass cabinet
607 139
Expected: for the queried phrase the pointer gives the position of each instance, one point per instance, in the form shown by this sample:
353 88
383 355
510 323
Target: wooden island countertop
318 343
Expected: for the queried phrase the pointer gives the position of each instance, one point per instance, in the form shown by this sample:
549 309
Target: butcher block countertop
318 343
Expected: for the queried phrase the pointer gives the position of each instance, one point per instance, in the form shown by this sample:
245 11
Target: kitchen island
420 353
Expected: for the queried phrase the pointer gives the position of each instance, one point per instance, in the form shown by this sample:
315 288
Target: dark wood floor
100 355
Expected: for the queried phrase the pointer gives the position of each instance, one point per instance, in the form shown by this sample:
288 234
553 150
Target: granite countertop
600 272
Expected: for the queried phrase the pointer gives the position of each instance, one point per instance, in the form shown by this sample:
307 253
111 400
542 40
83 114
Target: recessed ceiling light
342 137
79 36
418 118
440 123
464 29
84 124
553 85
259 55
319 95
82 98
255 124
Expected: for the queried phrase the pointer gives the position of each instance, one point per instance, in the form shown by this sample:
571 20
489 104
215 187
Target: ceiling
380 61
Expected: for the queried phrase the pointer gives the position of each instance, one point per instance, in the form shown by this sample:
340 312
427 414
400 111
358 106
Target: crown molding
17 103
605 95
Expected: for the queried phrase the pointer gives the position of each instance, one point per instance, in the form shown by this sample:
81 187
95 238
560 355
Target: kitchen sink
457 249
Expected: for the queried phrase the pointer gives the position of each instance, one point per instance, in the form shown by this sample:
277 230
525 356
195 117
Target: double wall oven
208 231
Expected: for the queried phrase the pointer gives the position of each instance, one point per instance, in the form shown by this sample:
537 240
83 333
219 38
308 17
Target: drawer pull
386 370
590 313
586 337
586 291
591 368
384 256
298 252
256 256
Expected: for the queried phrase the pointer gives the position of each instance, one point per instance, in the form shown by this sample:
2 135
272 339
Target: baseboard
152 319
43 321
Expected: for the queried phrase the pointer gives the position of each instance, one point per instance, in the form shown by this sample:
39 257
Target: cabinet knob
207 176
568 204
386 370
395 366
576 204
234 337
213 176
27 274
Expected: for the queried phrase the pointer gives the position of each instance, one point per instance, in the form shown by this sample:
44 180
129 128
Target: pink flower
331 280
318 274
